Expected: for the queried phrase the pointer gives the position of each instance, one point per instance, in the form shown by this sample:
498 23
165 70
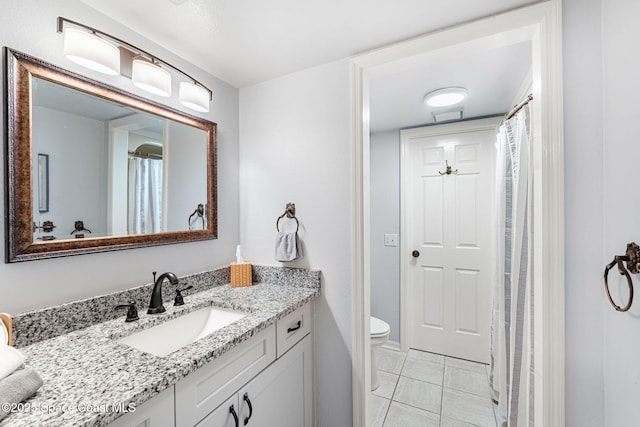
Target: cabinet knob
415 254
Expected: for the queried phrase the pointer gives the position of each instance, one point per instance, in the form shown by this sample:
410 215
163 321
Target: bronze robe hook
448 171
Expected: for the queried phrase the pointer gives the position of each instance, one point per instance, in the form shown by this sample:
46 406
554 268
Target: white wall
295 146
30 27
73 143
584 220
385 218
186 169
602 209
621 136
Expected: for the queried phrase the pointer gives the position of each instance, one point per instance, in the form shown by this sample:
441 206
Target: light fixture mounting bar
128 45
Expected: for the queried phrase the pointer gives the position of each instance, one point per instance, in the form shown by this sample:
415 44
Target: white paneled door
448 210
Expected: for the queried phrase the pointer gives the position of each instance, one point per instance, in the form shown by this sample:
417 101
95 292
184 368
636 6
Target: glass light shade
91 51
445 97
194 97
150 77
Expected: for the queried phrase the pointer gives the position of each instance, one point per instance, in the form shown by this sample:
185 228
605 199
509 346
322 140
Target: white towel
288 247
10 360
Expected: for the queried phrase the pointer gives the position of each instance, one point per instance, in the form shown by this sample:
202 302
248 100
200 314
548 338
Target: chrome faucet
155 306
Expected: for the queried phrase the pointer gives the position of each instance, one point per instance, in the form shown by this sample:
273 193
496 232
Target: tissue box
240 274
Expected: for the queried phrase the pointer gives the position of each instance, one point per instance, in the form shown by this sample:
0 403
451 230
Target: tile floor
426 389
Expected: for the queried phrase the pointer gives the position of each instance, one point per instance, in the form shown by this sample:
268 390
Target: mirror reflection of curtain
145 196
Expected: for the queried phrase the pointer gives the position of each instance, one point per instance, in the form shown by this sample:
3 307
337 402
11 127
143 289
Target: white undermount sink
174 334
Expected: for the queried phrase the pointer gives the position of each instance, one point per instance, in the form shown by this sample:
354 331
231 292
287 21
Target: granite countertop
87 373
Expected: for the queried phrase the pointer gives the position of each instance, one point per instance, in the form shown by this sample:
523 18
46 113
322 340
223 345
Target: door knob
415 254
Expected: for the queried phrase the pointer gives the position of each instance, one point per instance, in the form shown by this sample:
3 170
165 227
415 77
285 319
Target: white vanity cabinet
206 389
281 396
273 369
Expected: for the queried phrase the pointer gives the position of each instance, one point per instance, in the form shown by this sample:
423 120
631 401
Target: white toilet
379 335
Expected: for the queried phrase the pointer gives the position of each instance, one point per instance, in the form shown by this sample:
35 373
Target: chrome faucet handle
179 299
132 311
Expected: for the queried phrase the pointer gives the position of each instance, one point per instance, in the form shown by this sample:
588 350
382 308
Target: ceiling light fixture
98 51
445 97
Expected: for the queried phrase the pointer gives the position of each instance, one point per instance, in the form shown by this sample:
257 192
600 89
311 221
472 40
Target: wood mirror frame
19 225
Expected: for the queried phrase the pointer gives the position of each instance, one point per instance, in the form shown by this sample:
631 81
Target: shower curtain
511 375
145 196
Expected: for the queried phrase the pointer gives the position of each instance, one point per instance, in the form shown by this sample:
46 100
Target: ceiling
244 42
493 78
62 98
58 97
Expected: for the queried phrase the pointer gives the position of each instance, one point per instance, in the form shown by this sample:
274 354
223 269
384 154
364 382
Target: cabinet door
281 396
155 412
225 416
207 388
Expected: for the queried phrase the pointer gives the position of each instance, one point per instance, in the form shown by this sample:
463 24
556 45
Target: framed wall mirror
121 171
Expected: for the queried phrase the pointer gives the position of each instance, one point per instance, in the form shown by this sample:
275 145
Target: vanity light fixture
445 97
103 52
150 77
91 51
194 96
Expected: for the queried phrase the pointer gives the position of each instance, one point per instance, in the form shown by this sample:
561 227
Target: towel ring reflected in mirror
289 212
199 212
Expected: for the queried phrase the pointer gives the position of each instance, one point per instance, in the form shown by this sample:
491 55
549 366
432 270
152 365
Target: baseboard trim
392 345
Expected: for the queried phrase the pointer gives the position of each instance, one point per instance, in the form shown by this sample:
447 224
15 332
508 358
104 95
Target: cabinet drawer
292 328
205 389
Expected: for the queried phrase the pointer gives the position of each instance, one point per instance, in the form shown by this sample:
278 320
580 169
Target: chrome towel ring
632 258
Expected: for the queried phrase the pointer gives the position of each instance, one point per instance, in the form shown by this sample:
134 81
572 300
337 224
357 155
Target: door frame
406 135
541 23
